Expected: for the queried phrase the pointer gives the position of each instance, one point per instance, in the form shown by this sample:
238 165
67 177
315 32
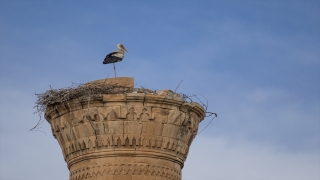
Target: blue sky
257 63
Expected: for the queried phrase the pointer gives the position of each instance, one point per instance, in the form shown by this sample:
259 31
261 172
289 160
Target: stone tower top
128 136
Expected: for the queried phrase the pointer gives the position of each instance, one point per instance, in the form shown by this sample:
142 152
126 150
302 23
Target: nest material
55 97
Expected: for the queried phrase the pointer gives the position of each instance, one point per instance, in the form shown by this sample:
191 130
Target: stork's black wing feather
111 59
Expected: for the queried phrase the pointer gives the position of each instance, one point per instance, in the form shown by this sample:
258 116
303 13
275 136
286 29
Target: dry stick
106 79
207 104
184 96
207 124
36 127
178 86
204 105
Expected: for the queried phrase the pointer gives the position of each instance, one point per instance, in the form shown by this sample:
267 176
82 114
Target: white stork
115 56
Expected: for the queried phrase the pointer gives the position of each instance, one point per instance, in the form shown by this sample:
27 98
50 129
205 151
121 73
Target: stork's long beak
124 48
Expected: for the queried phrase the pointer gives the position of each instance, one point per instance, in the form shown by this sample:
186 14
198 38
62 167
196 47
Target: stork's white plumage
115 56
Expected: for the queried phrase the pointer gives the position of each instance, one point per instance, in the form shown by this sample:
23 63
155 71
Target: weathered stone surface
126 136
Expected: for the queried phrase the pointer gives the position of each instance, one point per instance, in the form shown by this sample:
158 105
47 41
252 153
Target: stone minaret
132 136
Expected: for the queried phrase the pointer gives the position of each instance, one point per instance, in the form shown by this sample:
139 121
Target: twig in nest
200 102
36 127
209 122
178 86
205 105
185 97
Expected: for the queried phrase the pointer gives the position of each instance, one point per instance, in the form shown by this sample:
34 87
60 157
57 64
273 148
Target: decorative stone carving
126 136
134 169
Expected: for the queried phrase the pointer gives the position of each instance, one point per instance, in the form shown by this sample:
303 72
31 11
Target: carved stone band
122 169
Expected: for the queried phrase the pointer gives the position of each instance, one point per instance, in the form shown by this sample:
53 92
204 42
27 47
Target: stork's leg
114 67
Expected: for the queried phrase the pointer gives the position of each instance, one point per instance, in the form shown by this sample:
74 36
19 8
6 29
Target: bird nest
54 97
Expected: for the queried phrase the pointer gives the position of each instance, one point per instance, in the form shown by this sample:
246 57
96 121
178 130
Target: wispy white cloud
217 158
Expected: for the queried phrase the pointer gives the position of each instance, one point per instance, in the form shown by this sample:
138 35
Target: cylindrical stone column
132 136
